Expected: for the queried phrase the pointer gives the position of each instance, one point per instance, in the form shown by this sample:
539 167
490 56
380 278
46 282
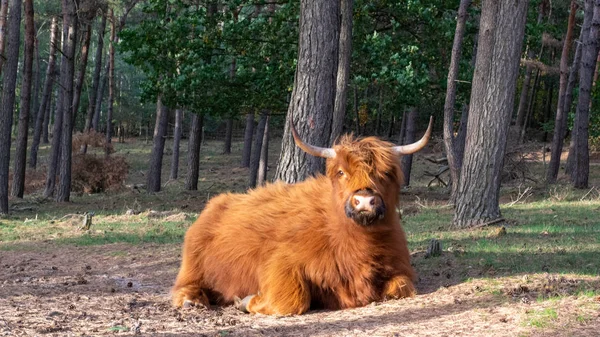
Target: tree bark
501 33
454 164
312 103
256 154
83 58
100 97
18 185
194 144
36 74
409 138
343 69
560 122
248 132
158 146
573 79
402 128
111 82
67 82
391 122
263 164
176 141
8 96
228 135
95 79
589 55
531 106
46 95
3 13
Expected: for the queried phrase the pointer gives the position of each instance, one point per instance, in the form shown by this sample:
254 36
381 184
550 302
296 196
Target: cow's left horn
416 146
316 151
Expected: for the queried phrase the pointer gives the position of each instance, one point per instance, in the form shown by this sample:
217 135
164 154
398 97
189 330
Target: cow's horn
316 151
416 146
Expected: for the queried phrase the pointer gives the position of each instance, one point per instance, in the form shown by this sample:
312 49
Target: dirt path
123 289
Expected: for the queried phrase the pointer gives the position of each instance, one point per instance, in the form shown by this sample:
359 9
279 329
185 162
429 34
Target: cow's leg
188 286
399 286
283 292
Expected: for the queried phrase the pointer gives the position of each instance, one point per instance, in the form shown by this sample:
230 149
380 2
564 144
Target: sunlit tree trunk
454 163
79 80
158 146
313 96
18 185
176 141
343 70
248 132
8 96
581 171
256 154
501 32
263 164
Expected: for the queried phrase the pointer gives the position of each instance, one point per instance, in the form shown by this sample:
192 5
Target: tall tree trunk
228 135
589 55
258 140
449 140
502 27
3 13
83 58
560 123
402 128
18 185
46 95
176 141
391 122
573 79
311 106
8 96
248 132
67 78
194 144
261 179
111 82
47 116
99 98
411 128
158 146
531 106
343 70
36 74
93 92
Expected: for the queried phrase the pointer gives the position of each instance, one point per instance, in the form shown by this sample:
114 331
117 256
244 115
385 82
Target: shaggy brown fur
294 247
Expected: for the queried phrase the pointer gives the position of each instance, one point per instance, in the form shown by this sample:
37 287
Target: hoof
242 304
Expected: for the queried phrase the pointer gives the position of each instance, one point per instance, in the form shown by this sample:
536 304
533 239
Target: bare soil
121 289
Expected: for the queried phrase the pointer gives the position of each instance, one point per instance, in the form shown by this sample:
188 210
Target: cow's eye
340 173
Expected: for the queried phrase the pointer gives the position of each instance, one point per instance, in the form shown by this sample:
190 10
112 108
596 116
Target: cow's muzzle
364 207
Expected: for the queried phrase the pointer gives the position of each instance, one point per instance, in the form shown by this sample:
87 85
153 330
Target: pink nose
363 203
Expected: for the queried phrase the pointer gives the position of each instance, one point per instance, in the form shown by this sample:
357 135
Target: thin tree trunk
46 95
8 96
589 55
391 123
100 97
248 132
560 123
228 135
111 82
18 185
402 128
3 13
548 109
573 79
256 154
83 58
343 69
502 27
93 92
264 157
36 75
454 164
530 106
355 105
176 141
158 146
313 96
409 138
67 82
47 116
194 144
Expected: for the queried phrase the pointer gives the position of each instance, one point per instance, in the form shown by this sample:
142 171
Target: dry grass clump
94 174
91 139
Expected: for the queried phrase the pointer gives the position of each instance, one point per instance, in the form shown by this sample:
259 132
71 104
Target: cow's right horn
324 152
416 146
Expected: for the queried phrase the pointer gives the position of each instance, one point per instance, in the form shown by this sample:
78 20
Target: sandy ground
120 289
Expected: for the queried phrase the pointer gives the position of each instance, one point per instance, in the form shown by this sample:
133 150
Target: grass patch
541 318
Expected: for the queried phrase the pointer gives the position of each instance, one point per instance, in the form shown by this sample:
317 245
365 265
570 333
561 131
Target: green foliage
217 62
